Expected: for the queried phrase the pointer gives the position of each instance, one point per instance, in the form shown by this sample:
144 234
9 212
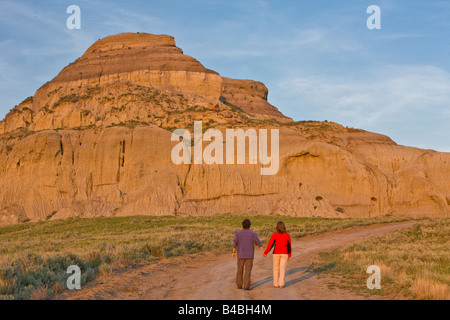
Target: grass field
413 263
34 256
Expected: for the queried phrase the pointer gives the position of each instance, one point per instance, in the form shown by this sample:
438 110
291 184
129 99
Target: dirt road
210 276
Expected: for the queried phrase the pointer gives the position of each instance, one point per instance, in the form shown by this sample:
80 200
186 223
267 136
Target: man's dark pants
244 273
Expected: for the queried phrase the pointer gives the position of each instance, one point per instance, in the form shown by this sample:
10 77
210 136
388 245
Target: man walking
244 241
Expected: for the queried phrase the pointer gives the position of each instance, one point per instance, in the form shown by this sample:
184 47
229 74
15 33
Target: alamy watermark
74 281
374 281
74 20
374 21
213 153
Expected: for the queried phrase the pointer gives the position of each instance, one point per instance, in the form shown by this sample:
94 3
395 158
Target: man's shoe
247 288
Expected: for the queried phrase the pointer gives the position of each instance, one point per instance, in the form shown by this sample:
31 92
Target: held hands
262 250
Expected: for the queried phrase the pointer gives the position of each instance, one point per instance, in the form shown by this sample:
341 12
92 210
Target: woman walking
281 254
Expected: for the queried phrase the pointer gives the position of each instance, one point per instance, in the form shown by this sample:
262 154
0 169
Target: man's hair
246 224
281 228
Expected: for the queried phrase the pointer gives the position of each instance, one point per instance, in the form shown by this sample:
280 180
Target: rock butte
95 141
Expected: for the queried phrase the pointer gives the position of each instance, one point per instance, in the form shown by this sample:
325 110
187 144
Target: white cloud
397 36
411 104
392 91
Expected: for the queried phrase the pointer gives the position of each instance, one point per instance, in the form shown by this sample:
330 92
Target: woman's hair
246 224
281 228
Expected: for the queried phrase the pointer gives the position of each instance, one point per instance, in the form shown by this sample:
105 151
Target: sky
318 58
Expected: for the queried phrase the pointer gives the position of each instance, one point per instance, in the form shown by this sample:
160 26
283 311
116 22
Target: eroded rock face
251 97
96 141
146 59
136 76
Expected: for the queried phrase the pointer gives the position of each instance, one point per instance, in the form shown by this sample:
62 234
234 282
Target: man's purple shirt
245 241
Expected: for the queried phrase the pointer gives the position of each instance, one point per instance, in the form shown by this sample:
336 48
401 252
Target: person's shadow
310 268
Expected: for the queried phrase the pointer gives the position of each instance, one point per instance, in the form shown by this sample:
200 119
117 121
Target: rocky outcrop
96 141
136 76
145 59
251 97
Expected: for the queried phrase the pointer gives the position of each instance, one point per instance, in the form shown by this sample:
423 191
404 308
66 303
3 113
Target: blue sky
318 58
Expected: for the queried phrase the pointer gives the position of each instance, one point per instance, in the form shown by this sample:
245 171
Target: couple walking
245 240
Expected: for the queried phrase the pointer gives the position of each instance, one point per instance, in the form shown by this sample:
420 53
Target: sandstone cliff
96 140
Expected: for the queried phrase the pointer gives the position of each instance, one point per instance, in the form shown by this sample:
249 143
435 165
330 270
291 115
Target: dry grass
105 269
40 293
426 289
414 263
6 285
34 256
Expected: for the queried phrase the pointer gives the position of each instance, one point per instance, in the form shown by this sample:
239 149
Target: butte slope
95 141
